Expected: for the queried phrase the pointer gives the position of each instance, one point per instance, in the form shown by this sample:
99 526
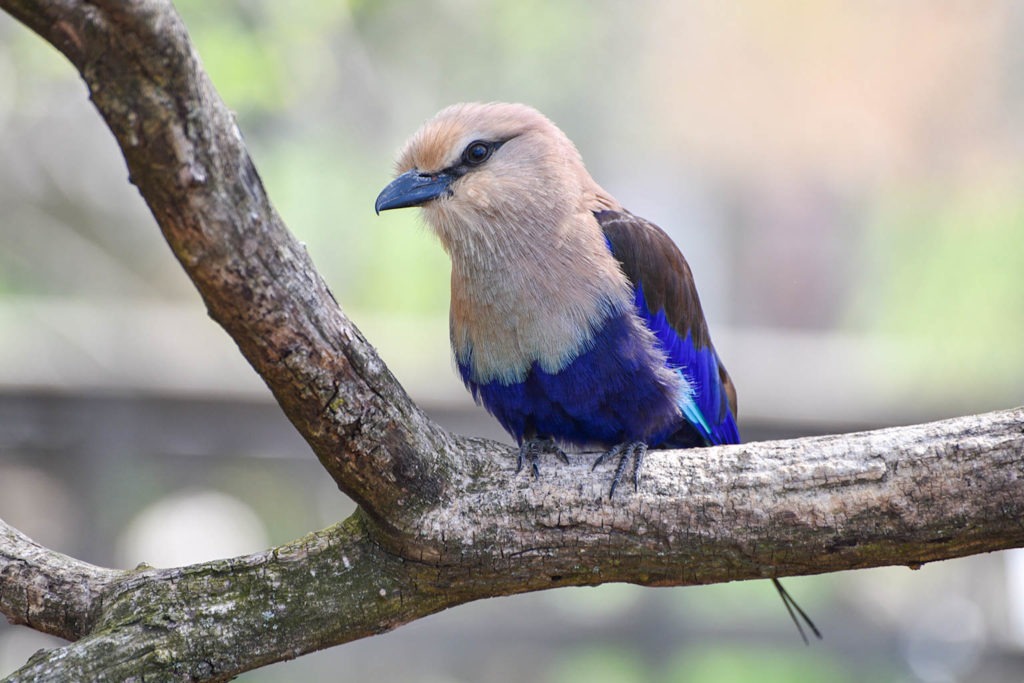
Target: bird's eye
477 153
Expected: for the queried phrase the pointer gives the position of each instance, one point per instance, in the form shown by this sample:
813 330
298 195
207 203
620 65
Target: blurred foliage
259 53
392 265
607 664
946 270
741 664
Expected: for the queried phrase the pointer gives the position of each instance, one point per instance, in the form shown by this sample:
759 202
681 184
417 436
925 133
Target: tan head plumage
535 175
440 141
531 272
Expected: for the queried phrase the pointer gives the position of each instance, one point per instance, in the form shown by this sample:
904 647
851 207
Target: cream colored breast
515 303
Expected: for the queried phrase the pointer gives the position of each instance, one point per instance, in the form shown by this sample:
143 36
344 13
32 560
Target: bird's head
485 169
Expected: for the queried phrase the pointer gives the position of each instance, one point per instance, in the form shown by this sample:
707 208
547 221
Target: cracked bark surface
442 519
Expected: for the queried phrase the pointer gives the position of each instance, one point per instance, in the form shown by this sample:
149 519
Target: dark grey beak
412 188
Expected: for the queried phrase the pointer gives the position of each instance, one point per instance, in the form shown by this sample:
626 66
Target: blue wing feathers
666 300
699 365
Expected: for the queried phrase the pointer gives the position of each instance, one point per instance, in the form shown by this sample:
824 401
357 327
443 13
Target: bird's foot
531 450
636 450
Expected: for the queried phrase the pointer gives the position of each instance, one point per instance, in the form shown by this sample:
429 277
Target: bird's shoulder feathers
652 260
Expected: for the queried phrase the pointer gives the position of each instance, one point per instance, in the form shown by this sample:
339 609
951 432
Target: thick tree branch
443 519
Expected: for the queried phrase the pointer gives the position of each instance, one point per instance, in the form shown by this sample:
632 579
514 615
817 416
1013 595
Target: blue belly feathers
607 395
611 394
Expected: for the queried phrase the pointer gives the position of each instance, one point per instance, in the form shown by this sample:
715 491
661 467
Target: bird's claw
635 450
531 450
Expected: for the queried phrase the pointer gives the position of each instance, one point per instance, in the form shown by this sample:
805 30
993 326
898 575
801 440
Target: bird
573 321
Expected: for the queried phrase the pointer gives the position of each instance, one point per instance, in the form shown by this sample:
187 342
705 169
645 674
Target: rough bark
443 519
187 158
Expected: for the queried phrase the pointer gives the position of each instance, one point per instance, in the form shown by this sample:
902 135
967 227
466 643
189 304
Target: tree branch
46 590
214 620
897 496
185 154
443 519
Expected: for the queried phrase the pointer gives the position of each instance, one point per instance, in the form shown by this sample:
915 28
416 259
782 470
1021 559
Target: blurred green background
843 177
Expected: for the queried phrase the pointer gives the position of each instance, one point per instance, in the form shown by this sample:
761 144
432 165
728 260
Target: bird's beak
412 188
